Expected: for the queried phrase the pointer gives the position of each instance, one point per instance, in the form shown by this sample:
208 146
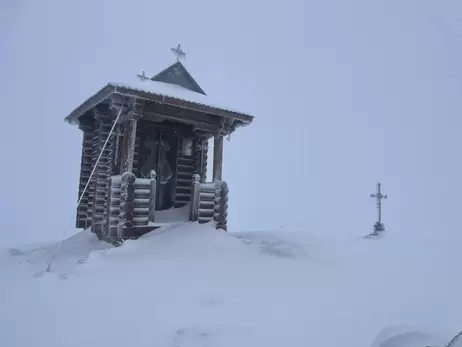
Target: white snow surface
188 285
173 91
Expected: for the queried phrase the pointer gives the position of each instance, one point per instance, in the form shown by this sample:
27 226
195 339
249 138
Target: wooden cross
379 196
180 54
142 76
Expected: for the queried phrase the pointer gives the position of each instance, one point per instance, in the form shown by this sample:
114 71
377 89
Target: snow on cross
180 54
378 226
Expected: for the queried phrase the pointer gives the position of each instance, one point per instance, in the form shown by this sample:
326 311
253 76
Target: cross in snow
379 196
180 54
142 76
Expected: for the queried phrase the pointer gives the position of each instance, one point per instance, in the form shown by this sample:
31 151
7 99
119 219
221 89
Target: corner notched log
221 206
209 202
85 170
127 205
152 197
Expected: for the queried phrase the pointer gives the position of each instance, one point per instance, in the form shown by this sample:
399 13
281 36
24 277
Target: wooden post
127 204
221 205
128 146
109 229
202 144
152 197
194 207
217 157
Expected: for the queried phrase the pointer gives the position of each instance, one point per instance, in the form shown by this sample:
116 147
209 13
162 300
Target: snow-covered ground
191 286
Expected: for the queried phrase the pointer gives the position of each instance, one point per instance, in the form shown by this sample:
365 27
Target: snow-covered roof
173 91
159 92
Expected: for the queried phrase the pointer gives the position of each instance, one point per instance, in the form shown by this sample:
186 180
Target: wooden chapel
146 144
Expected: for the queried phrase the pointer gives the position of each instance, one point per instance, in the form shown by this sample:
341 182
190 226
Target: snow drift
188 285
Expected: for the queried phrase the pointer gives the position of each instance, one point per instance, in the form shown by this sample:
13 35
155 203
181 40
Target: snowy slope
191 286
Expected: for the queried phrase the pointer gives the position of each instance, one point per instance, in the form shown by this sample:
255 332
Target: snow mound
189 285
409 336
74 250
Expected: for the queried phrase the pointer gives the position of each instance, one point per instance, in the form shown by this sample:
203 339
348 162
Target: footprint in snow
192 337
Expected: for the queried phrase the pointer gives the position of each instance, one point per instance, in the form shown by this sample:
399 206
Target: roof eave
91 102
238 124
109 89
172 101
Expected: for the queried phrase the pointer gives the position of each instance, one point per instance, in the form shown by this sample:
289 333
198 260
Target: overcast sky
345 94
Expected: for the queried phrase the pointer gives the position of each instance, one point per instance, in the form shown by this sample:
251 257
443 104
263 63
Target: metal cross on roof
379 196
180 54
142 76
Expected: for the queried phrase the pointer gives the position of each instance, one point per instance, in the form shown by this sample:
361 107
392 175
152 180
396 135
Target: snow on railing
131 202
209 202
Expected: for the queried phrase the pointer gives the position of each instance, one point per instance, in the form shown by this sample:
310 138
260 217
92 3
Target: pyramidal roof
173 85
178 75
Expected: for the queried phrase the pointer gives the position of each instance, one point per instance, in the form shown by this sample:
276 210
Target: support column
128 146
217 157
202 146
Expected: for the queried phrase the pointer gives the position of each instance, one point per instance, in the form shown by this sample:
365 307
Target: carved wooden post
194 207
221 205
130 120
127 204
202 144
217 157
152 197
128 146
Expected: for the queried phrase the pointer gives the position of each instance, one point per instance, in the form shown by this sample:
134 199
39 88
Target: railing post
152 197
194 207
127 203
107 229
220 216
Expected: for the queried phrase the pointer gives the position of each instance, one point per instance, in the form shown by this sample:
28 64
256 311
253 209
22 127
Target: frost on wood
127 198
221 205
129 143
161 126
210 202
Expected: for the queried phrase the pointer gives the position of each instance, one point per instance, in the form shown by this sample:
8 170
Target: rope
454 339
58 246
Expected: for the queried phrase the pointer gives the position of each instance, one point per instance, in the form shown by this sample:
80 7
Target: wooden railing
209 202
131 202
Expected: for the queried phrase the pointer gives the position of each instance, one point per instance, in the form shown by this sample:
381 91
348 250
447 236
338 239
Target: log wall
85 170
